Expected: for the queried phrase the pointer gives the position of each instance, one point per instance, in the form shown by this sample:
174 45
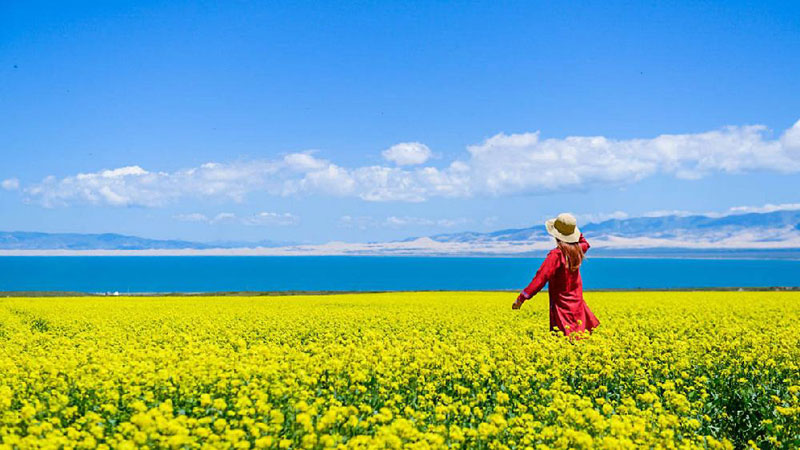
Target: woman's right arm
546 270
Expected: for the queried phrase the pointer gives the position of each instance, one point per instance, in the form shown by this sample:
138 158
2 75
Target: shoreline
291 293
788 254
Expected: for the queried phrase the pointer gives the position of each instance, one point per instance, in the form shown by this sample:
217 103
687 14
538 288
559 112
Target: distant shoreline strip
289 293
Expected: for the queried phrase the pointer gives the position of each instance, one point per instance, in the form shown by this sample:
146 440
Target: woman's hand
518 303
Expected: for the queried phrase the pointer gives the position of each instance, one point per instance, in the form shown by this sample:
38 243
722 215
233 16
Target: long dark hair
573 252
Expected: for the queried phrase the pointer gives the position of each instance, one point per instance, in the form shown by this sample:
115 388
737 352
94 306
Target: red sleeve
583 243
547 269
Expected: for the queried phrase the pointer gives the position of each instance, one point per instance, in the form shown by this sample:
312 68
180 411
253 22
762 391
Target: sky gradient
311 122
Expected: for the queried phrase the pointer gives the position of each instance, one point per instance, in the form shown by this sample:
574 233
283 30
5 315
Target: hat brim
550 226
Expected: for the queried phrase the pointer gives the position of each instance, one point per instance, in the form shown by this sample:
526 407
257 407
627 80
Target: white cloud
10 184
398 222
449 223
224 217
330 179
407 153
258 219
121 172
271 218
191 217
671 212
134 186
357 222
767 208
790 139
764 209
524 163
304 162
504 164
365 222
601 217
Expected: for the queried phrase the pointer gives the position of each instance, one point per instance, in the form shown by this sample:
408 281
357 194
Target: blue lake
365 273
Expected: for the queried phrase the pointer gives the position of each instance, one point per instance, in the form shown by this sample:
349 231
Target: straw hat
564 228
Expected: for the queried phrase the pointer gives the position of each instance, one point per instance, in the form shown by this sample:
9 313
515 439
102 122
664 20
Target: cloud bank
504 164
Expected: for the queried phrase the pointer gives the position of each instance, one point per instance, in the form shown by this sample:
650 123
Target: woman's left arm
583 243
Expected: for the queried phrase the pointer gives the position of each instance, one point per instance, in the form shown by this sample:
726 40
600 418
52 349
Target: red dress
568 311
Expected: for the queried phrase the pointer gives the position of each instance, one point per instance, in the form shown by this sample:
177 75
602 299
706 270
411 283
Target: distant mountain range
24 240
770 234
774 226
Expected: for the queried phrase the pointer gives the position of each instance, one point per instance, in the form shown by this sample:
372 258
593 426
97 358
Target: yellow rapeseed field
416 370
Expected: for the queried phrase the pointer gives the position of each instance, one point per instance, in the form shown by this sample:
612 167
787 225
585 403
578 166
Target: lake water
365 273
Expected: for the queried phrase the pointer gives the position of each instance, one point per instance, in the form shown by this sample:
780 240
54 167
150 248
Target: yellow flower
27 412
397 370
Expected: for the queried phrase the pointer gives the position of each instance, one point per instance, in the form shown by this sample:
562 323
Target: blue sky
318 121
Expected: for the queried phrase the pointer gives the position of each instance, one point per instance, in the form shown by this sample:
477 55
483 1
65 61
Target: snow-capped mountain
771 229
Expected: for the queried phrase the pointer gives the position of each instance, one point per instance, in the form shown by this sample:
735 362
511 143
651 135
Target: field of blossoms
415 370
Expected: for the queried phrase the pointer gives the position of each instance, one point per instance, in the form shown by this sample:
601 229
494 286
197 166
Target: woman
561 268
